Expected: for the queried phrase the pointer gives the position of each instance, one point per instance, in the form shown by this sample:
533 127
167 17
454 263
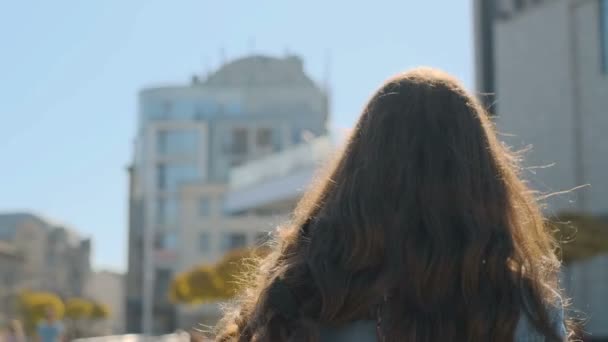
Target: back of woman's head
421 221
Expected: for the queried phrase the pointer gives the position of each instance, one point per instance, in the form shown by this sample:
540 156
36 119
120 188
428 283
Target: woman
422 231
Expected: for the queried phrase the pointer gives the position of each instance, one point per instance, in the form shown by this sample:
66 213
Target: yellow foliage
78 308
581 236
179 290
231 269
99 311
204 284
34 307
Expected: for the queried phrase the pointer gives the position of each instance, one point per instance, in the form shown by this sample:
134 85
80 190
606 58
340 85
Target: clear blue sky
70 72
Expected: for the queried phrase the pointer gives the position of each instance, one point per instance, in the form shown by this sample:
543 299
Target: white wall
549 81
108 288
534 95
594 105
216 225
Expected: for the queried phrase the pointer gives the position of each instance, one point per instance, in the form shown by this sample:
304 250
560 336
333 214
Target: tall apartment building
54 258
545 65
189 137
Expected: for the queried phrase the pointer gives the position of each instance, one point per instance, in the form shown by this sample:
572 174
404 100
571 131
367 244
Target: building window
518 5
161 284
232 241
604 34
204 243
204 207
166 108
165 241
177 142
239 141
166 211
262 238
264 138
171 176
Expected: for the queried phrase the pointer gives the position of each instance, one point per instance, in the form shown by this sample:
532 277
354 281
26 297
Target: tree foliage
34 307
78 308
99 311
581 236
209 283
179 290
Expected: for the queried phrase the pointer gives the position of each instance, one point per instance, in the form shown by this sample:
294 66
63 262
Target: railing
308 154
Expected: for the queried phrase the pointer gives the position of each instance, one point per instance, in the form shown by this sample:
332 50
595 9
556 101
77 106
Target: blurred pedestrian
420 231
14 332
51 329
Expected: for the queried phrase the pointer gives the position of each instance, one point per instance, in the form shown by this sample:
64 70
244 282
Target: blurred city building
108 287
36 254
11 263
543 66
189 139
54 258
260 194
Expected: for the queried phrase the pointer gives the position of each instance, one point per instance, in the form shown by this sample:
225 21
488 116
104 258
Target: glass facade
165 241
204 243
232 241
204 207
167 211
171 176
262 237
264 138
239 141
184 109
177 142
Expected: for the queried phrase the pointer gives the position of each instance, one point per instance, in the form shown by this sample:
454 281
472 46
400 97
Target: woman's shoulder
358 331
527 332
365 331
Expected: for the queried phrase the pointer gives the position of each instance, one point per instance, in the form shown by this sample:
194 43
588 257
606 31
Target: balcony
276 180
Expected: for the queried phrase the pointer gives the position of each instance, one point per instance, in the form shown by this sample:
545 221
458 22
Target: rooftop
260 70
9 222
251 71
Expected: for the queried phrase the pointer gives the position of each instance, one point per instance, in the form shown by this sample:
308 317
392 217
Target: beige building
11 264
189 138
207 235
260 196
28 235
107 287
55 258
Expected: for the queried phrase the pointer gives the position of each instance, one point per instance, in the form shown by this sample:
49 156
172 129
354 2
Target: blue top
365 331
50 332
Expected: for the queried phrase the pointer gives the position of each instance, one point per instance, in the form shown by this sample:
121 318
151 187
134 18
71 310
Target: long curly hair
423 206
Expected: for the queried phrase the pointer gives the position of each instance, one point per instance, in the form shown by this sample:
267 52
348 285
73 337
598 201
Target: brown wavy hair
425 206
